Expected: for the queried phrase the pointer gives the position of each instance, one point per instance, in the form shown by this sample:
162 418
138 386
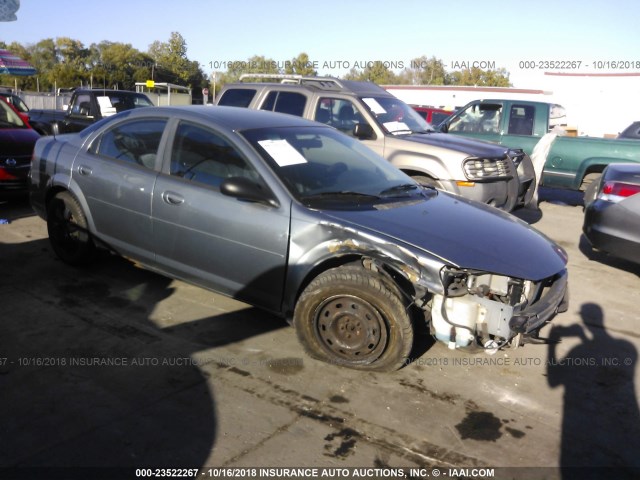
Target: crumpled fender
319 246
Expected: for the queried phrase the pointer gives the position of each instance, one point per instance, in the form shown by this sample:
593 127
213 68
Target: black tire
67 228
427 181
352 317
588 179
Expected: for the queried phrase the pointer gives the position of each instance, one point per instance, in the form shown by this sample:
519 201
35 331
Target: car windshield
395 116
322 167
9 118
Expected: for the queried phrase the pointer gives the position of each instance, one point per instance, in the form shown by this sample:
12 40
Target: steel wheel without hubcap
351 328
356 318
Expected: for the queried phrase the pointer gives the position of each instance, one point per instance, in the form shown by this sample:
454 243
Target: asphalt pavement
113 367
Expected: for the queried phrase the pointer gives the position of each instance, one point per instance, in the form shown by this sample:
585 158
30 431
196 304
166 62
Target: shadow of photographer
601 419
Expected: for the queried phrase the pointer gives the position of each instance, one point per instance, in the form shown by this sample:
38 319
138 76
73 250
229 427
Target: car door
236 247
116 175
519 132
82 113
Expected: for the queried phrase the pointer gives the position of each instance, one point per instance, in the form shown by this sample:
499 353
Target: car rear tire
67 228
355 318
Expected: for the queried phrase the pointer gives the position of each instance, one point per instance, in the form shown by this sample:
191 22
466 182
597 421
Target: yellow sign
151 84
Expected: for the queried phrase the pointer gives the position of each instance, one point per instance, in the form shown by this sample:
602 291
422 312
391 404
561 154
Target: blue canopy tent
11 64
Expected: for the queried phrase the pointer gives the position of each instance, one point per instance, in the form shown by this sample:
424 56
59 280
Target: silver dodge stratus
299 219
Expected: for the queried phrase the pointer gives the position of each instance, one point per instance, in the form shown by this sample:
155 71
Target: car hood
18 141
463 233
465 145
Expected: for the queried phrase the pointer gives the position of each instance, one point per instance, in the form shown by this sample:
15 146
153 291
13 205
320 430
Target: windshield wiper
343 193
425 131
403 188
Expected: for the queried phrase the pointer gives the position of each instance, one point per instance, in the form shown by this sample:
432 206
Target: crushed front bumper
555 299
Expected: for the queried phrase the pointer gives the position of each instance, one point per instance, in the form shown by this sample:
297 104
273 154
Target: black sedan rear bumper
613 228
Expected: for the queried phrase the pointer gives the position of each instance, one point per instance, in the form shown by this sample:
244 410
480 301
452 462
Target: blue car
301 220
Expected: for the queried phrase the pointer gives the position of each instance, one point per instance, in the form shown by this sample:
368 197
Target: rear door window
237 97
521 120
292 103
133 142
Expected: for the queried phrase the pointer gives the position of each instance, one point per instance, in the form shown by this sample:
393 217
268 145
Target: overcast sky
337 34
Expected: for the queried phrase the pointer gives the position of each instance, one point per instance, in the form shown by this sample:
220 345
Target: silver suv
481 171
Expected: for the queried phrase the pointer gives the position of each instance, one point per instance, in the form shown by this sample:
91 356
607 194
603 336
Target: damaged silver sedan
301 220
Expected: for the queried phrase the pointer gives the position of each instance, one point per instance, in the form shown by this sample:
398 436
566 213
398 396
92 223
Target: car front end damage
464 308
486 310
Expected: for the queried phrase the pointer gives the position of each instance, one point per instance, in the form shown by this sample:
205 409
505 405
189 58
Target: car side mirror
55 129
443 127
244 189
364 131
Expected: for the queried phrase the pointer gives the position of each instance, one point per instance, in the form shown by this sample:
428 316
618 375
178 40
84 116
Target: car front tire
354 317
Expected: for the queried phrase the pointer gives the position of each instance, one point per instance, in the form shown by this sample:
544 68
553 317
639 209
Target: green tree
172 64
479 77
424 71
255 64
377 72
119 64
301 65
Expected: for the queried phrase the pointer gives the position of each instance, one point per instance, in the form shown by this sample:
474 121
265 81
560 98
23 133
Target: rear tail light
4 175
617 191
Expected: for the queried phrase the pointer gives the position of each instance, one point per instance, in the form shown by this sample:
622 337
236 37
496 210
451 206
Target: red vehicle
17 140
17 103
433 115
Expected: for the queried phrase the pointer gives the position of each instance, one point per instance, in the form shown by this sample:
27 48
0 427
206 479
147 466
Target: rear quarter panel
571 158
51 170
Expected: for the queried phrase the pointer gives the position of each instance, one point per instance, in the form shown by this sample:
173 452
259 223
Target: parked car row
480 171
302 219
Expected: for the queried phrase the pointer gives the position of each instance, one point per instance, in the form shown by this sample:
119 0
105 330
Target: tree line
420 71
64 63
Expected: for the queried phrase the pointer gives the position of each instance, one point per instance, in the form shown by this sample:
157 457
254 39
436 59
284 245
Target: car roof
329 84
232 118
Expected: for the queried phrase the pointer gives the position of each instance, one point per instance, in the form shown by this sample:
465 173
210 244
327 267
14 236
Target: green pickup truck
572 162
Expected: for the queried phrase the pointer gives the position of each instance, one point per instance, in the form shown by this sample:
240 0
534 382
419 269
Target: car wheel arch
422 164
594 166
77 194
390 273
